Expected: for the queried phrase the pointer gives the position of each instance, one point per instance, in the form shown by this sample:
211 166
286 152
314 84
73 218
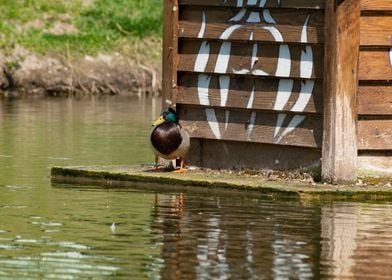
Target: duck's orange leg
182 169
156 163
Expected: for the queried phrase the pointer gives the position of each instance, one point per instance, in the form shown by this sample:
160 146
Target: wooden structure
282 84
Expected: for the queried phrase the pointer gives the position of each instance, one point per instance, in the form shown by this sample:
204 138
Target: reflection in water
61 232
236 238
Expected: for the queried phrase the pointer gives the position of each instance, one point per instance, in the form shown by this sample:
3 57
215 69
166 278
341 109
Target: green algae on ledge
123 176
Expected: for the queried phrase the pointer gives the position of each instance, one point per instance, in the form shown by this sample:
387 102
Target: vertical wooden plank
170 51
342 35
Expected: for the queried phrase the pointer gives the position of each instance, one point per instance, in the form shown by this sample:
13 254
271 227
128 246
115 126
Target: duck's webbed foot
181 169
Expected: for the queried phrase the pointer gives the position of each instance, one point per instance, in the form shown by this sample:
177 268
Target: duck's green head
168 115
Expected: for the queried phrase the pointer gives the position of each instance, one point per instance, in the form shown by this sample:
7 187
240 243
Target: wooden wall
375 86
254 87
248 80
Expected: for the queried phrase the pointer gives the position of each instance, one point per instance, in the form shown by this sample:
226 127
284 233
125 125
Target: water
63 232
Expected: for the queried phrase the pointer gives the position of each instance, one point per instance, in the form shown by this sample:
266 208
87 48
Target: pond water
63 232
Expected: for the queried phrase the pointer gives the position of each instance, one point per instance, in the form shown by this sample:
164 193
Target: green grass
102 26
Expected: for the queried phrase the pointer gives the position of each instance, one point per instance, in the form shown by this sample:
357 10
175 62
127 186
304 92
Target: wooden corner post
341 54
170 50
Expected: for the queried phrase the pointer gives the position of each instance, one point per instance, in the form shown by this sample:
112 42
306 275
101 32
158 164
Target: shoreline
24 73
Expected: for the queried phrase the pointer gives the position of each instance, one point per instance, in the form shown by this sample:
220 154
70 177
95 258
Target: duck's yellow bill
159 121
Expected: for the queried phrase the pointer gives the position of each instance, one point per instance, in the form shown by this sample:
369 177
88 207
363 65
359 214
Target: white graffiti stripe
227 33
284 62
251 125
306 65
241 72
279 123
202 57
252 2
254 17
254 56
203 26
203 85
285 89
262 3
224 84
222 62
239 16
259 72
240 3
390 56
275 33
304 33
213 122
268 17
251 98
304 96
295 122
227 116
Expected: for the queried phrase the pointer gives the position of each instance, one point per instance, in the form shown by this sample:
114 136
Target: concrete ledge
129 176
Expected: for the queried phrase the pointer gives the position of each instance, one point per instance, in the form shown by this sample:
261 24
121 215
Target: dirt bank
26 73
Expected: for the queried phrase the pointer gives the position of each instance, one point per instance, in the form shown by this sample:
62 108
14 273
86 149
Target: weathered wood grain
170 50
379 161
375 100
240 58
289 23
265 93
375 65
375 134
376 5
376 30
297 4
240 128
291 34
232 154
342 36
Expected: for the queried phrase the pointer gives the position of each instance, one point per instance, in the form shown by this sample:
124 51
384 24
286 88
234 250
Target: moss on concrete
123 176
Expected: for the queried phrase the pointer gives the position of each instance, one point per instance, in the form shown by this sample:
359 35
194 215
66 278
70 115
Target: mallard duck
168 139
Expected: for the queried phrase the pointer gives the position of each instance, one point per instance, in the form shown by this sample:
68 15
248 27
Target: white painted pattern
304 33
254 56
251 98
239 16
203 26
251 125
295 122
275 33
268 17
227 33
306 65
222 61
202 57
283 69
254 17
285 89
224 84
305 94
390 56
213 122
284 62
279 123
203 85
227 116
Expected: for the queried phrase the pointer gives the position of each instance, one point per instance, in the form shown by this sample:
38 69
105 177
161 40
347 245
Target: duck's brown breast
166 138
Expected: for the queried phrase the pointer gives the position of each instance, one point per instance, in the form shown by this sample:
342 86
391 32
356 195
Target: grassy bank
80 46
80 27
